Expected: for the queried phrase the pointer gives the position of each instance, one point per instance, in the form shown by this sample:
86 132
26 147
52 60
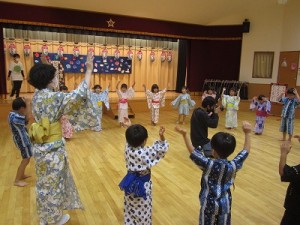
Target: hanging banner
12 49
45 50
71 64
27 49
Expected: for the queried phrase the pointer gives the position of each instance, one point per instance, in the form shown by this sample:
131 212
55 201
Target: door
288 68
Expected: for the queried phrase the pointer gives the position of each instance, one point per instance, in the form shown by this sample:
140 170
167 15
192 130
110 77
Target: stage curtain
183 52
143 72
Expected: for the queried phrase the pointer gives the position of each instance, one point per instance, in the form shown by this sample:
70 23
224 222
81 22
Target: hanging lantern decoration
117 53
104 53
12 49
27 50
169 56
152 56
76 52
130 54
60 52
139 55
91 51
45 50
163 56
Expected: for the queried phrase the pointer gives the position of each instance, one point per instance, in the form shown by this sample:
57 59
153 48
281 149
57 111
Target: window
263 64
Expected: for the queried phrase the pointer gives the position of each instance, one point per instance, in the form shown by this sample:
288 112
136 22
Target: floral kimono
55 187
184 103
123 103
155 101
67 128
262 110
231 103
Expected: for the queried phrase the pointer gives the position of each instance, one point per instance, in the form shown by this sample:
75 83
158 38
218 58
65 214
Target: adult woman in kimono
55 187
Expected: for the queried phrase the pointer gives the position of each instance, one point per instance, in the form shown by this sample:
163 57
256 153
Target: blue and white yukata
184 103
55 187
215 195
98 100
288 114
231 103
137 183
17 124
262 111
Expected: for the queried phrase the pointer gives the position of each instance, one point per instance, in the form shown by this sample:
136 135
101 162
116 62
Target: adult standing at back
16 74
203 118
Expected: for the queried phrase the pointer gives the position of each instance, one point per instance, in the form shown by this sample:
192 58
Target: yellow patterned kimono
55 187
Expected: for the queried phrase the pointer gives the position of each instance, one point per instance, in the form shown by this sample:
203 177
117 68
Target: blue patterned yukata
288 114
217 178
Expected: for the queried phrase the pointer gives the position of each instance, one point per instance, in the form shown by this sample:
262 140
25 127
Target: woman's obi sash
261 113
183 101
123 100
133 183
45 132
155 101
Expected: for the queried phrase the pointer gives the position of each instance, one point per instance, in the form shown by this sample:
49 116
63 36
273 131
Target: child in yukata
98 97
290 174
218 174
290 103
263 109
184 103
231 103
18 119
137 183
67 127
124 94
155 100
209 92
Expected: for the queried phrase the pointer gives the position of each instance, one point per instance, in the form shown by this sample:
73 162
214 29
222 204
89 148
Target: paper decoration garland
60 52
130 54
152 56
27 50
12 49
117 54
139 55
104 53
45 50
91 51
163 56
169 56
76 52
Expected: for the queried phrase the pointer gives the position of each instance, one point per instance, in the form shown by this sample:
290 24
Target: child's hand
161 133
180 130
285 147
89 61
224 89
295 91
247 127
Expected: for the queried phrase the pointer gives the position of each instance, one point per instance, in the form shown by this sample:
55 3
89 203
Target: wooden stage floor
97 162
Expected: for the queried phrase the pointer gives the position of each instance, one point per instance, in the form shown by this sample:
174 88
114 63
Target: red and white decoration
117 53
152 56
163 56
45 50
169 56
139 55
91 51
130 54
76 52
60 51
104 53
27 50
12 49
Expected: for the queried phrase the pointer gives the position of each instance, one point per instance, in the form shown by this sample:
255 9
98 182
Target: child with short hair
155 100
218 174
290 103
263 109
16 74
18 119
184 103
124 94
231 103
209 92
137 183
290 174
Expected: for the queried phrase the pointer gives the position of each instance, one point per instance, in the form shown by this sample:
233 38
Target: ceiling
203 12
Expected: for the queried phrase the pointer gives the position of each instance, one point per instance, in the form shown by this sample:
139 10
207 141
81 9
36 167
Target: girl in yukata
98 97
124 94
184 103
209 92
155 100
231 103
55 187
67 128
137 183
263 109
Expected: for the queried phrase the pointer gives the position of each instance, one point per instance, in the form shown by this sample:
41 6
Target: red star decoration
110 23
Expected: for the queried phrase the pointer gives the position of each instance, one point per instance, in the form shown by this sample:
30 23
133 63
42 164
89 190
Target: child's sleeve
19 120
198 157
240 158
130 93
290 173
155 152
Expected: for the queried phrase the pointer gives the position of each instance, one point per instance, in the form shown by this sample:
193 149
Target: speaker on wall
246 26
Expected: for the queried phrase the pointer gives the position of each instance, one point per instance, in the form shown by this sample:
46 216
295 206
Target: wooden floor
97 163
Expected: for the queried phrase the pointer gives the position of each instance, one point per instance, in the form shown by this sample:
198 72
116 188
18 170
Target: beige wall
274 29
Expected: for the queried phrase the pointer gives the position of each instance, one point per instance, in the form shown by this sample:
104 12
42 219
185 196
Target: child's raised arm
224 89
117 86
133 84
247 130
144 86
297 95
285 148
186 138
89 68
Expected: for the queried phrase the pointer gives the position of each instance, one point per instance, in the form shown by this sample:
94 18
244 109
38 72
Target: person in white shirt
16 74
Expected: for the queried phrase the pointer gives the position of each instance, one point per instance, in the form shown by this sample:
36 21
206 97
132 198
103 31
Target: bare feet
20 183
25 177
